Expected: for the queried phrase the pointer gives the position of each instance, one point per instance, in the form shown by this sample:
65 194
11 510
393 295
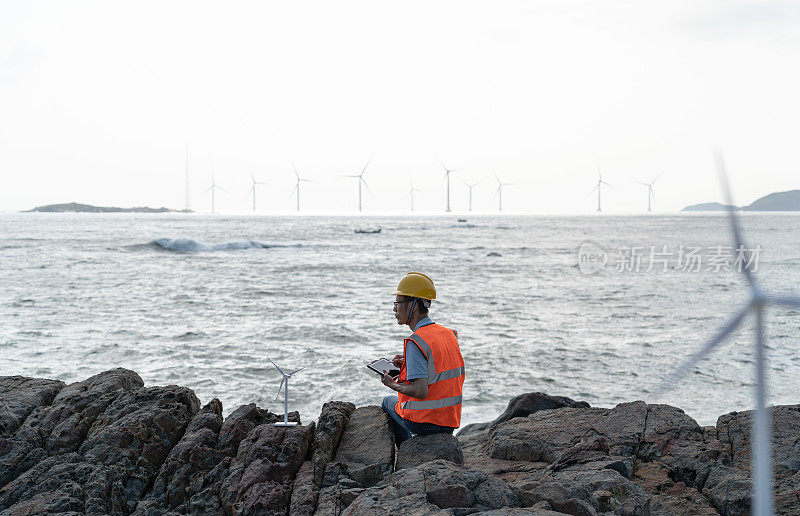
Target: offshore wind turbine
759 299
499 192
297 186
285 382
598 186
213 188
650 194
361 180
447 173
411 194
186 197
471 186
253 189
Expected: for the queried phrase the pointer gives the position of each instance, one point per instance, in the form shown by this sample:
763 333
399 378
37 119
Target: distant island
87 208
778 201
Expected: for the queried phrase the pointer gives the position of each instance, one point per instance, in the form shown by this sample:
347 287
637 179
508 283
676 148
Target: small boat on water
462 220
368 231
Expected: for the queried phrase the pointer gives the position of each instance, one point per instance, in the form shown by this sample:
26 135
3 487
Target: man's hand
397 361
389 382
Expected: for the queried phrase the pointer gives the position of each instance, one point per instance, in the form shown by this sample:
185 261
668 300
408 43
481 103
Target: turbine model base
289 423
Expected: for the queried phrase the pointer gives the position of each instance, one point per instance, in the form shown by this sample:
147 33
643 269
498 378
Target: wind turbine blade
785 301
593 190
641 183
280 387
296 370
656 179
209 188
700 354
365 166
276 366
251 177
220 188
732 218
368 188
607 184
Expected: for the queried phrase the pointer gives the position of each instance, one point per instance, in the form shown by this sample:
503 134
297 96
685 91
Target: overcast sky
98 100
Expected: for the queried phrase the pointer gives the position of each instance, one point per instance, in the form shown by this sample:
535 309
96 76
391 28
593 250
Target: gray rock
523 406
425 448
20 396
367 446
435 485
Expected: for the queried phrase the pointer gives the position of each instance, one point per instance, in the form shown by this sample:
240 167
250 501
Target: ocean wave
187 245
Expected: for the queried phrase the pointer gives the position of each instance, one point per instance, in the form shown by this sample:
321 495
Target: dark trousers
403 428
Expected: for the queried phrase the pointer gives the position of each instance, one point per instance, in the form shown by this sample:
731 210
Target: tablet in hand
382 366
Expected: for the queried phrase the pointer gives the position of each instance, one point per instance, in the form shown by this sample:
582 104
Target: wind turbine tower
650 195
253 189
598 187
214 187
471 186
297 186
411 194
500 186
285 382
447 173
361 179
186 197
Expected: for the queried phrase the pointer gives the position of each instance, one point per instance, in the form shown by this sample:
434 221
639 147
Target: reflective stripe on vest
433 404
426 350
446 375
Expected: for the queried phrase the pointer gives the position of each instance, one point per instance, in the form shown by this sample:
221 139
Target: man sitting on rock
431 367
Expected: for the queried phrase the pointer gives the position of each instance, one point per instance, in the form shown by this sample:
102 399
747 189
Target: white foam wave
187 245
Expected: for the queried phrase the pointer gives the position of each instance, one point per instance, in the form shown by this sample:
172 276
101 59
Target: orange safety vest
442 406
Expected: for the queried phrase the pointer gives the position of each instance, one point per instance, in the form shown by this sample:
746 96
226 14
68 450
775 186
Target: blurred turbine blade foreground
761 463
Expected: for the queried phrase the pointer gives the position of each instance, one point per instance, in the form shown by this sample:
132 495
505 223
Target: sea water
203 301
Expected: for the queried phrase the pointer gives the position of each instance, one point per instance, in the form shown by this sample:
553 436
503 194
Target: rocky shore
110 445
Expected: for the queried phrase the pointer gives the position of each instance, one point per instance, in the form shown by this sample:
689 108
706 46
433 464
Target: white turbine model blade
785 301
593 190
296 370
253 178
279 388
732 218
607 184
641 182
209 188
276 366
220 188
700 354
656 179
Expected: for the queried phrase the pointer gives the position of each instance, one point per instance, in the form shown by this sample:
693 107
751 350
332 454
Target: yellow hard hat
416 284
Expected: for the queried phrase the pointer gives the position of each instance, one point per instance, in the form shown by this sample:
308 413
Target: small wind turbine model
361 180
761 467
500 186
213 188
285 386
253 189
598 187
650 194
411 194
297 186
471 186
447 173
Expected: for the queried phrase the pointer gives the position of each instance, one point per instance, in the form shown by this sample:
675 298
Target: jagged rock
523 406
367 446
62 426
21 395
327 434
435 485
182 474
114 465
259 479
729 485
425 448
